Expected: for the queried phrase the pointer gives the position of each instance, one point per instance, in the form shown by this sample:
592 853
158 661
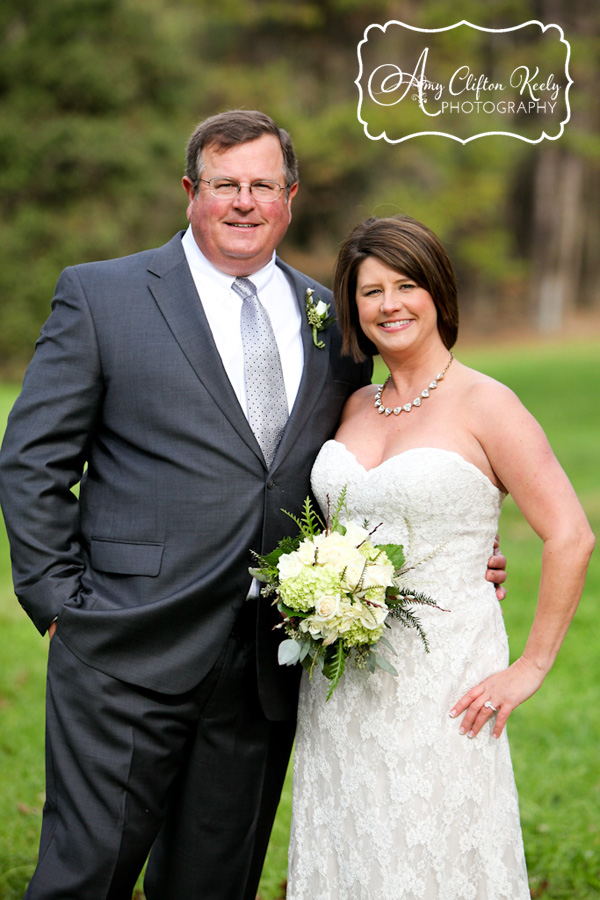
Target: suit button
270 485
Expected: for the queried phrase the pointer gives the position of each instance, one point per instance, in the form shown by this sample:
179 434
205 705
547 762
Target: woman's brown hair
408 247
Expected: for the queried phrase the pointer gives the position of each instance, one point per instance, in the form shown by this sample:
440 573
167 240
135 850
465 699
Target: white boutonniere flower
317 315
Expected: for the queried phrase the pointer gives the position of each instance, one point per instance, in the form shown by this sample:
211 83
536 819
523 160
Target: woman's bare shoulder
496 416
360 400
481 389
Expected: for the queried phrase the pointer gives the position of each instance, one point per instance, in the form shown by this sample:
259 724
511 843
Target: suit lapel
314 373
172 286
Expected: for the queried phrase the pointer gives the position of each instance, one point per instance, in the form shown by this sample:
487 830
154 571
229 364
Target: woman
403 786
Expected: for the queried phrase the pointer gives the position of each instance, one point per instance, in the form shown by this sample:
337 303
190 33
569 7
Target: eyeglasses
228 188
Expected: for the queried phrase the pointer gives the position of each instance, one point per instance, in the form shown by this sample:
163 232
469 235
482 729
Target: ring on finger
489 705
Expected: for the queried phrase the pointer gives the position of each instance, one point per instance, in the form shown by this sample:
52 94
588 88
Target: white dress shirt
223 306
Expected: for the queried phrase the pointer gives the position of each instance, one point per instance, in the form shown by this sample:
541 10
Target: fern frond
339 506
334 667
296 519
309 523
406 596
311 517
407 618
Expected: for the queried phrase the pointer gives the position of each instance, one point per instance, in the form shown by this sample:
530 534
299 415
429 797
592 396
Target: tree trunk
565 211
558 237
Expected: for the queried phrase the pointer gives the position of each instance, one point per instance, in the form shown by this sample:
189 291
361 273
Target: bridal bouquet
336 589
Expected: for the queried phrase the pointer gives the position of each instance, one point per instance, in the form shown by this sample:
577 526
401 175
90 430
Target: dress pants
198 775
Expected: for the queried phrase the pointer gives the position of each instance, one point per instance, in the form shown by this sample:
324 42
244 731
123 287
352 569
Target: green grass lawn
22 674
554 736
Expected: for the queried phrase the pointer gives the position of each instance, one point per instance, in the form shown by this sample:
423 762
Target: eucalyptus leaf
386 643
259 575
288 653
384 664
304 650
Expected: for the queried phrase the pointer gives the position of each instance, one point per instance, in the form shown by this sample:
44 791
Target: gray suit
148 573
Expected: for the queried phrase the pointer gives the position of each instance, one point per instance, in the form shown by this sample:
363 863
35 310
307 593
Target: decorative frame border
453 137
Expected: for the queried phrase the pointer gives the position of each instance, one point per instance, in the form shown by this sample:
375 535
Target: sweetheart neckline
454 453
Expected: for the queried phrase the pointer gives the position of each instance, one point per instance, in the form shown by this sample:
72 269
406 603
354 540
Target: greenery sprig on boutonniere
318 316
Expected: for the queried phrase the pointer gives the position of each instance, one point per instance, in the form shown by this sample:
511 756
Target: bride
403 786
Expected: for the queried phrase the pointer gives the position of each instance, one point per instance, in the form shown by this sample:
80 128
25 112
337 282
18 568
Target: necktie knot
244 288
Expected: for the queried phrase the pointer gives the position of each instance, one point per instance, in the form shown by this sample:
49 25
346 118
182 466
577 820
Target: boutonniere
317 315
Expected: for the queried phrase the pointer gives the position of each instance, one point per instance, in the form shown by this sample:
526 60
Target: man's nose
244 199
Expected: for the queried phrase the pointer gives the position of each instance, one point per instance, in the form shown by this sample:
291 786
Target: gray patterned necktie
265 388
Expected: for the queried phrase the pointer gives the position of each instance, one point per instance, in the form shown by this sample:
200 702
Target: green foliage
330 656
309 523
403 612
89 142
334 667
394 553
97 100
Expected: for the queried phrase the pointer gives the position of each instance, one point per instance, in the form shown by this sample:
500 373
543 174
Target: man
169 724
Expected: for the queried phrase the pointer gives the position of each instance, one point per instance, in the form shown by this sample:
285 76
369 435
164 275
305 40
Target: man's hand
51 630
496 572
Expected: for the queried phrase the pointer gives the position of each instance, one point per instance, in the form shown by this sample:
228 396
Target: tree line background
98 98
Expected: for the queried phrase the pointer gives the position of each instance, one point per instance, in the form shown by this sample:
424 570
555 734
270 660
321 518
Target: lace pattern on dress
390 802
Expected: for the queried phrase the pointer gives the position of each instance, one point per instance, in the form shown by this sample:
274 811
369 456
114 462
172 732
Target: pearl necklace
416 402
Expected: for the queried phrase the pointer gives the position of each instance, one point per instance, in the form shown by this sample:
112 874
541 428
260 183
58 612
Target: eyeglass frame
248 184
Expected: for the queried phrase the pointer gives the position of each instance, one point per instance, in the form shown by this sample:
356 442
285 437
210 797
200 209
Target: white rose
308 625
354 569
328 606
289 565
319 628
321 308
336 551
378 576
348 615
306 552
355 534
329 636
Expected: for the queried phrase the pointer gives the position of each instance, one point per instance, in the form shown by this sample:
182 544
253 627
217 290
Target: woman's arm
523 461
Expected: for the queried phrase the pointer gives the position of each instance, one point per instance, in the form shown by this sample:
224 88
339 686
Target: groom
169 723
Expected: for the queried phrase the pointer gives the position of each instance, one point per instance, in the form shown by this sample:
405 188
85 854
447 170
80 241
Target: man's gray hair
229 129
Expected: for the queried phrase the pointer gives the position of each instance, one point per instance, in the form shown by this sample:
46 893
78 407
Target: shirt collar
198 261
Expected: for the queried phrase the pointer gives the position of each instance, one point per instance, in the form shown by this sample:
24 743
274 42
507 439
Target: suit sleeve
44 452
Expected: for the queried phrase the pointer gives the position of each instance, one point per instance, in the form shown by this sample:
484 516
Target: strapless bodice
440 507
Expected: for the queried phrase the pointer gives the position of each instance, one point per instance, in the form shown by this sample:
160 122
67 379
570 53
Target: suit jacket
149 568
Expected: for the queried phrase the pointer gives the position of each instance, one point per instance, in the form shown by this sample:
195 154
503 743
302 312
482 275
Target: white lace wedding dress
390 802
